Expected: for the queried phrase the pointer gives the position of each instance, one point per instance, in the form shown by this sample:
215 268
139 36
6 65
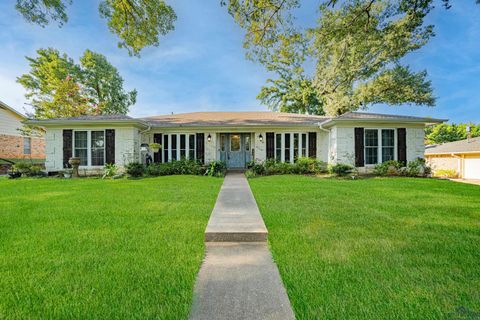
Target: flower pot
75 163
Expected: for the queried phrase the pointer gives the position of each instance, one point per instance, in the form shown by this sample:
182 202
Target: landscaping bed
102 249
376 248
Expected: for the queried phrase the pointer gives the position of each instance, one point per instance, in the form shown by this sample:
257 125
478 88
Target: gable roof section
15 112
221 119
463 146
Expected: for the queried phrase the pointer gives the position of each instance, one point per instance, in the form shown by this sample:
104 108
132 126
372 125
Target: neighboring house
13 145
360 139
462 156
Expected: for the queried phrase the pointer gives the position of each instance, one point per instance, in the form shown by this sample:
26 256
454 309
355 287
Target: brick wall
11 147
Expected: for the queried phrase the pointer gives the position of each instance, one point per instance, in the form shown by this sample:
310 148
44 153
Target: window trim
380 145
89 146
29 139
291 151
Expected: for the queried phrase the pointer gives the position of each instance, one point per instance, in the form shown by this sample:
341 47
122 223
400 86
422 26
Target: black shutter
67 146
402 145
270 145
312 144
110 146
157 156
201 147
359 148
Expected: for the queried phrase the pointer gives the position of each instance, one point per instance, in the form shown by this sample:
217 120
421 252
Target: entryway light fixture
209 138
260 137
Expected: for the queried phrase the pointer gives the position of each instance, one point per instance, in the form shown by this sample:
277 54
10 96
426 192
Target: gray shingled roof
381 116
462 146
218 119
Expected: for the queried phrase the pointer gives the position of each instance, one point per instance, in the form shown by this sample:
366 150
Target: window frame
89 146
380 145
29 149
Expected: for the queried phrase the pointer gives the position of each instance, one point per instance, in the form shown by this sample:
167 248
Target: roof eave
66 123
12 110
332 122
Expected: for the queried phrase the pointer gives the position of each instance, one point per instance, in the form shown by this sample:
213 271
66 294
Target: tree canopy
58 87
357 49
444 132
138 23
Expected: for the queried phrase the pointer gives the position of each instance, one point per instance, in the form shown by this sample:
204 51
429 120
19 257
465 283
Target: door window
235 142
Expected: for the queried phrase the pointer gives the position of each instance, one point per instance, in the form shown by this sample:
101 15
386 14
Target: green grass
102 249
379 248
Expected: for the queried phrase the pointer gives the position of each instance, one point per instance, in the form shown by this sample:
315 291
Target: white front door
472 168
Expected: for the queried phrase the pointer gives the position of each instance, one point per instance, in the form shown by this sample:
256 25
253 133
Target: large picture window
89 146
178 146
379 145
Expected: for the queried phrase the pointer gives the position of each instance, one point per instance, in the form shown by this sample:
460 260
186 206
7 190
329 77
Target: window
165 148
304 144
287 147
235 142
388 144
247 142
174 146
183 146
278 147
98 148
295 146
191 147
27 145
81 147
371 146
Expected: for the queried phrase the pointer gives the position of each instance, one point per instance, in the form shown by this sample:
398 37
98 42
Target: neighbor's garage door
472 168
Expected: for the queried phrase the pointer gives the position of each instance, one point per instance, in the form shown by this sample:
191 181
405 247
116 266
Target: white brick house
360 139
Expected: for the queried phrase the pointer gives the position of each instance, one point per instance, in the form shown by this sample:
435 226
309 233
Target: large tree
138 23
357 47
58 87
444 132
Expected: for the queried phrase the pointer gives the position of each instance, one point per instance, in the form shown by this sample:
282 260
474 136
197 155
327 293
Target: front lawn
397 248
102 249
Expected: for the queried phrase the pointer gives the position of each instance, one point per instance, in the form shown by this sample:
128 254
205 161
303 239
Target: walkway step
235 217
239 281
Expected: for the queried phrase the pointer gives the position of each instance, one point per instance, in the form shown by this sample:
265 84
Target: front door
235 149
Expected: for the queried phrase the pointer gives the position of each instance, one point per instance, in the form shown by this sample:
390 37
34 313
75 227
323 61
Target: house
461 156
13 145
360 139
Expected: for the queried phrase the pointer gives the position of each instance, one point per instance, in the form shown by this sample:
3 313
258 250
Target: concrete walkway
238 278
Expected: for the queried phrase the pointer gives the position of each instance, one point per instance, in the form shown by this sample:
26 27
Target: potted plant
155 147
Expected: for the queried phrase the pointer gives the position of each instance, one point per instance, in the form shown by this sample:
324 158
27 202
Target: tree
357 48
58 87
138 23
443 132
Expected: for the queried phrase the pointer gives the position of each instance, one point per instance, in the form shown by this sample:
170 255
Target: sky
201 65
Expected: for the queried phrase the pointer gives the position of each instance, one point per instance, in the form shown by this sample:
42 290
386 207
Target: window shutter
67 146
270 145
359 148
312 144
402 145
201 147
157 156
110 146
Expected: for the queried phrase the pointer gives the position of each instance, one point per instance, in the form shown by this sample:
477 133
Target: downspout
327 131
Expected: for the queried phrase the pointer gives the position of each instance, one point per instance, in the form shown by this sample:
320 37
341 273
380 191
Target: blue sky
201 65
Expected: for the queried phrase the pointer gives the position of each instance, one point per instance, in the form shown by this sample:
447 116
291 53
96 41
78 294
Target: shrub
28 169
446 173
306 165
135 169
175 167
416 168
340 169
109 170
388 168
216 169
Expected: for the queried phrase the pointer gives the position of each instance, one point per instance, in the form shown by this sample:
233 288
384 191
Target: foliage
357 48
269 167
446 173
443 132
340 169
109 170
135 169
28 169
179 167
416 168
58 87
138 23
216 169
388 168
